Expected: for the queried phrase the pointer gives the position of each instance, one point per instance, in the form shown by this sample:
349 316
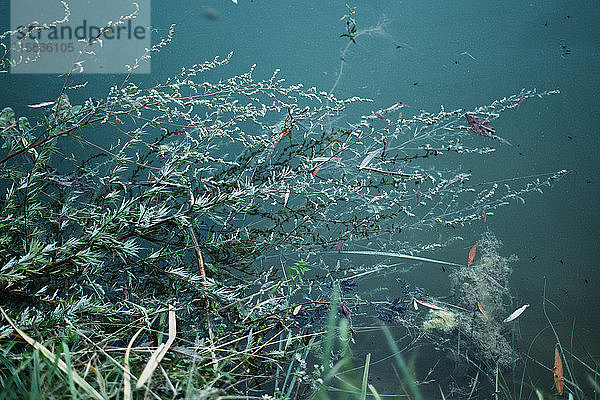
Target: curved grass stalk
400 255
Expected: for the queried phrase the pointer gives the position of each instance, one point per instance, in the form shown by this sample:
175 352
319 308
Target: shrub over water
179 251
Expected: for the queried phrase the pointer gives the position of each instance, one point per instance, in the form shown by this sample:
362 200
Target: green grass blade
11 383
374 392
408 377
442 393
539 394
35 375
331 329
69 372
365 379
295 376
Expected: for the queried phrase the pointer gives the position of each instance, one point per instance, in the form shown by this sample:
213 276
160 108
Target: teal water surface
427 54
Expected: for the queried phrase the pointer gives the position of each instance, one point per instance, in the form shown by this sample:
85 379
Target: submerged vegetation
213 249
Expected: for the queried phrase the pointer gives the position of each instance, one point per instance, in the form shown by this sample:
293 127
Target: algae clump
442 320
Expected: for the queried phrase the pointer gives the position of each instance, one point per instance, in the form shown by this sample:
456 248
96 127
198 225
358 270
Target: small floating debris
559 383
493 281
482 311
472 254
426 304
516 313
40 105
483 127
